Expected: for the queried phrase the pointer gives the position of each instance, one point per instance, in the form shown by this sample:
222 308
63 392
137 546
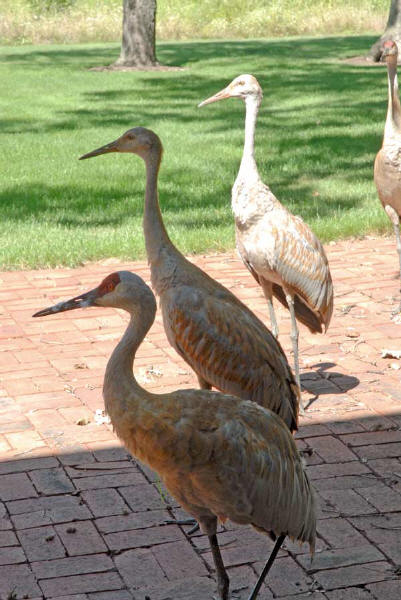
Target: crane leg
398 238
268 292
294 339
273 320
267 567
223 581
195 525
203 384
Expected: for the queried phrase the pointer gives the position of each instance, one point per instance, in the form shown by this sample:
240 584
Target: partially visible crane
387 170
219 456
226 345
278 248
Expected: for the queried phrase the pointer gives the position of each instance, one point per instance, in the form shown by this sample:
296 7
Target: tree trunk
138 42
392 31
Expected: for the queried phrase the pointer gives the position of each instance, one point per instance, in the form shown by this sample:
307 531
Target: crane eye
108 284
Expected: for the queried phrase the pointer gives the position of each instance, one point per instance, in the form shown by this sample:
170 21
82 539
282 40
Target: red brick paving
80 520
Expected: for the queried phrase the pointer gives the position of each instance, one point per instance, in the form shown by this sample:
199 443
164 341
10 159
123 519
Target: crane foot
195 525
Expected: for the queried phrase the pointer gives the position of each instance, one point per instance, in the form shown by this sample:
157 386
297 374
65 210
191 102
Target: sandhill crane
226 345
387 171
278 248
219 456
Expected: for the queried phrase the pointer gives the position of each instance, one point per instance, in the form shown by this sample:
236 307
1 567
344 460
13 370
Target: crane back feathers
230 348
387 175
281 249
220 456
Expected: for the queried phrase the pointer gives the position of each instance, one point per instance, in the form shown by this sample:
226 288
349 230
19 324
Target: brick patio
80 520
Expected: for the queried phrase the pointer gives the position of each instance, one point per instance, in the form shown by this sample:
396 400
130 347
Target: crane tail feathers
302 312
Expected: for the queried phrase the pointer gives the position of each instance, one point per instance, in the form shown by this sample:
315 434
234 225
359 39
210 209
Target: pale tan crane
387 171
226 345
278 248
219 456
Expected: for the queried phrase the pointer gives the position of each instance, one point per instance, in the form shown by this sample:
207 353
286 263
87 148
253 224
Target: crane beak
112 147
87 299
219 96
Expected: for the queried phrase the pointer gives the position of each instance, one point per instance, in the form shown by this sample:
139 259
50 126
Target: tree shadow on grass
186 53
99 204
179 93
66 205
319 118
93 206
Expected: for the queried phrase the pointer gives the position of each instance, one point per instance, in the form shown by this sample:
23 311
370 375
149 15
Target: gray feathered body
224 342
387 169
280 250
219 457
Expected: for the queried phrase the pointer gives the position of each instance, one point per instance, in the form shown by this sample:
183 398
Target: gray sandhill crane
278 248
387 171
226 345
219 456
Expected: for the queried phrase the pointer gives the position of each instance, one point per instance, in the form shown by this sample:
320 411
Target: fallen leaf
351 332
391 354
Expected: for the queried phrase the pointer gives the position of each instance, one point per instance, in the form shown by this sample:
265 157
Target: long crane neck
393 121
158 244
156 236
248 169
120 385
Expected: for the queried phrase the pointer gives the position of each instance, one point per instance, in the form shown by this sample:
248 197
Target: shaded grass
319 128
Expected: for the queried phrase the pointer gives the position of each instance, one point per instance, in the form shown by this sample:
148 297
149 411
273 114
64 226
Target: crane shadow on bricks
323 381
95 521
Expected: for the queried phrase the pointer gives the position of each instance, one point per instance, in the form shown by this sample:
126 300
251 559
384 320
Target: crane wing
225 343
245 466
223 457
286 252
387 176
302 264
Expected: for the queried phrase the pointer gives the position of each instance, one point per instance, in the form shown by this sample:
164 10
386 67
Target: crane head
243 86
118 289
138 140
389 50
90 298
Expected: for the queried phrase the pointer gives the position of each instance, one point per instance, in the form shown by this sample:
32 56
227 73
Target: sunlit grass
100 20
320 126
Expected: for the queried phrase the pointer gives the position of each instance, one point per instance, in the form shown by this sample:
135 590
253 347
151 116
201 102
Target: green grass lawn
319 129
